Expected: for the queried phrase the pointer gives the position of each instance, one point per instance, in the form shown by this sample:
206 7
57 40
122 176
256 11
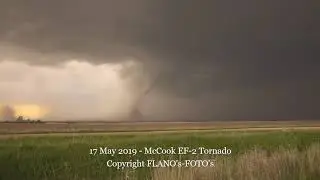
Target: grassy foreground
255 155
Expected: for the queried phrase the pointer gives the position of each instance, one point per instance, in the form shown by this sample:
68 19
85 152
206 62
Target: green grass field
255 155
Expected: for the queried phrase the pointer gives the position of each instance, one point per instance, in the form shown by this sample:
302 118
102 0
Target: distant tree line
23 120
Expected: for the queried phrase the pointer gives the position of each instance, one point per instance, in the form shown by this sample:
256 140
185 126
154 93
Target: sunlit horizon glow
31 111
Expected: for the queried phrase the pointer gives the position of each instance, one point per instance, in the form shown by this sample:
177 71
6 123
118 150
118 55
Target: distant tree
20 119
7 113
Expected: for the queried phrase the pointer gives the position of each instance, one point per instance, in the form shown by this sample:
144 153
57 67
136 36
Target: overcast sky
214 59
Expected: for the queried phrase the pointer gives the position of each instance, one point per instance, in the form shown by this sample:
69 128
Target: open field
90 127
277 154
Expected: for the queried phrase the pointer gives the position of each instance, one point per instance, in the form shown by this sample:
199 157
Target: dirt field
105 127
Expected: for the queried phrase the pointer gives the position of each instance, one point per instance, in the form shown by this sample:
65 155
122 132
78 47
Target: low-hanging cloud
72 90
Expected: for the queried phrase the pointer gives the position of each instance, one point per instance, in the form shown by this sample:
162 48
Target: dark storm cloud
258 57
101 29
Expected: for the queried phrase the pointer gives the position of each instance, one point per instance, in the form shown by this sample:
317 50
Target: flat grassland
287 152
105 127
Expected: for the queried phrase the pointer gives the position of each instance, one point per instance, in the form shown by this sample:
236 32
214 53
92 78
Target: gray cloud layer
218 59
